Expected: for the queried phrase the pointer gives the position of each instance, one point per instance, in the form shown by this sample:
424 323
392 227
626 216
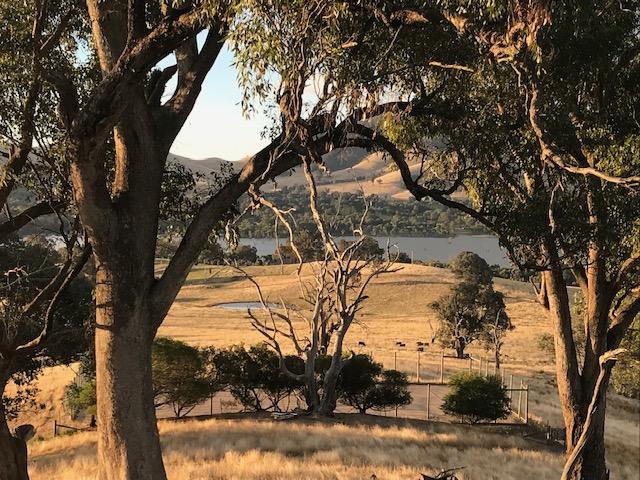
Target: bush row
184 376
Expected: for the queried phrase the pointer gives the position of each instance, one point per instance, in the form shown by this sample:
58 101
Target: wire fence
428 374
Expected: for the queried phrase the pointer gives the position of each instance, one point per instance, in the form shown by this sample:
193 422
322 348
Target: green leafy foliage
474 398
179 376
471 267
467 314
80 399
364 385
344 210
244 255
254 377
26 267
625 377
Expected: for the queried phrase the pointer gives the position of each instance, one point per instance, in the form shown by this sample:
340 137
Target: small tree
471 267
467 313
80 399
369 249
244 255
254 377
494 333
474 398
364 385
309 247
178 375
212 253
358 380
391 391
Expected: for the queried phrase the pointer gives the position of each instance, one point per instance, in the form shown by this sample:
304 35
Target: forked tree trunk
574 392
591 464
128 441
329 387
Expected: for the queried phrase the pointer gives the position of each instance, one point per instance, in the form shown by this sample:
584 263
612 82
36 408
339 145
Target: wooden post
480 366
418 366
526 404
55 428
211 405
470 363
520 399
502 376
511 387
486 367
442 368
428 399
495 369
395 360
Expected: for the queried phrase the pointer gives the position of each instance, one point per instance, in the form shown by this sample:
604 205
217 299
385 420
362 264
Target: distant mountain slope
349 170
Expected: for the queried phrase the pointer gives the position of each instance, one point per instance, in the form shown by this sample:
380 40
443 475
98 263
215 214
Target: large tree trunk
9 468
128 440
574 390
591 464
329 387
13 452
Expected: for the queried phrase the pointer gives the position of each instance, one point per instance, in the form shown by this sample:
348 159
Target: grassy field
262 449
397 310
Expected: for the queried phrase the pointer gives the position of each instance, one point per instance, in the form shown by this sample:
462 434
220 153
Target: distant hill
204 166
350 170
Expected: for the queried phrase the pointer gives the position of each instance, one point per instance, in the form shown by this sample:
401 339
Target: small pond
244 305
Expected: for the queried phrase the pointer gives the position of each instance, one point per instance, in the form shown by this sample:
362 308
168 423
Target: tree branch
29 214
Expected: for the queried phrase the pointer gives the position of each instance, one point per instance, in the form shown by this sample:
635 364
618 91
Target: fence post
418 366
428 399
470 363
442 368
480 366
520 399
395 360
486 367
211 405
526 404
495 369
511 387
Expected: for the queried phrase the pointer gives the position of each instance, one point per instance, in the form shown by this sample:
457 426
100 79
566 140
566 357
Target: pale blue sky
216 126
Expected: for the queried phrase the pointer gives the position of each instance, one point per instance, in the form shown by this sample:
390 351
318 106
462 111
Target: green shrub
474 398
625 378
364 385
179 376
254 377
80 399
546 344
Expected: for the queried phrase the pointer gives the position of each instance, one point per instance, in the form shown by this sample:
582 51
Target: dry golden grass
257 449
397 310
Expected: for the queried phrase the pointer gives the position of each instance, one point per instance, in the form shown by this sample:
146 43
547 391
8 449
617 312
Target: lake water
422 248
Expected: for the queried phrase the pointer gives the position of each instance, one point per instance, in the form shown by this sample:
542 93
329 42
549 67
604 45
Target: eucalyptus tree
542 138
133 109
530 109
35 37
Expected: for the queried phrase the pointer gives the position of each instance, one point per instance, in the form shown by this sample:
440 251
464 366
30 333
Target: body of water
422 248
